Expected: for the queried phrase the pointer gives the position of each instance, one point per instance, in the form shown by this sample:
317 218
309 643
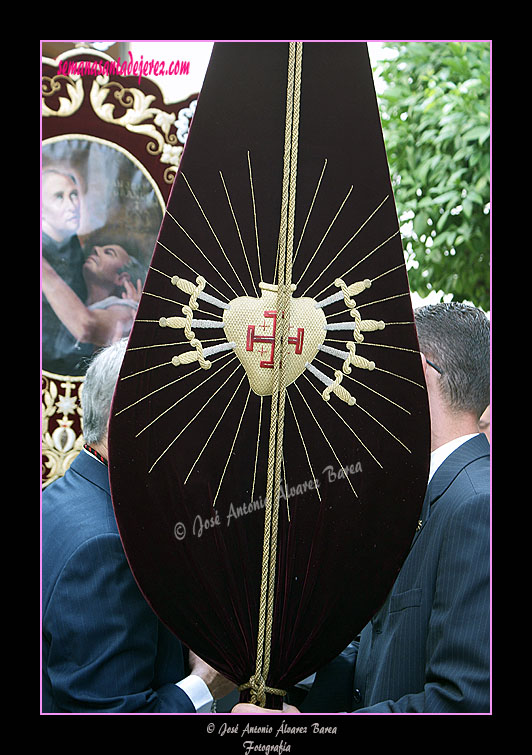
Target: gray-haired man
104 650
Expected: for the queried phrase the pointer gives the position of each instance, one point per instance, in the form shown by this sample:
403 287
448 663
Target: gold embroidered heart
251 324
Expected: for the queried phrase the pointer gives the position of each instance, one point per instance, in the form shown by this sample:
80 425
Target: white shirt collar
438 456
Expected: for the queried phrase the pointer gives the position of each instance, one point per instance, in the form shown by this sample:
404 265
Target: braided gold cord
259 689
257 683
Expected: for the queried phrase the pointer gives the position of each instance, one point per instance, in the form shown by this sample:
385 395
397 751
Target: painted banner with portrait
110 151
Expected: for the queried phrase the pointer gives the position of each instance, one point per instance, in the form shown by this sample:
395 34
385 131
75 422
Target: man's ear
424 363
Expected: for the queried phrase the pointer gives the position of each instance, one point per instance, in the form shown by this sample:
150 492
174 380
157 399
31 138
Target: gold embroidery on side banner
63 95
139 118
71 94
61 432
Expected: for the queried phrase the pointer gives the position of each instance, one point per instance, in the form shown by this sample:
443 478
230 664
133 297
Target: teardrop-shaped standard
265 531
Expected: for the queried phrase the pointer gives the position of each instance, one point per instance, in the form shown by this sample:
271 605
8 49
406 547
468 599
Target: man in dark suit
104 650
428 648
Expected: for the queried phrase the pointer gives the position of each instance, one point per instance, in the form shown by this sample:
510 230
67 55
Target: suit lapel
425 512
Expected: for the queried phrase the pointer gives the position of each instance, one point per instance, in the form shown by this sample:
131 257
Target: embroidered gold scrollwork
60 445
72 87
139 117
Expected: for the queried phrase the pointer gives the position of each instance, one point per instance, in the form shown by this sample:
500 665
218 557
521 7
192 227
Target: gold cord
257 682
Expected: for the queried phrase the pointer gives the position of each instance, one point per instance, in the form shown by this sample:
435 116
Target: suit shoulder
468 497
467 493
76 515
74 510
475 478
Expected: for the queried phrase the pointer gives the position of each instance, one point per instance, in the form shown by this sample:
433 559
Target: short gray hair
456 337
98 389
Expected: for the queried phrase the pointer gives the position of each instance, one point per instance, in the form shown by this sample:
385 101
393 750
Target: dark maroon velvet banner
189 443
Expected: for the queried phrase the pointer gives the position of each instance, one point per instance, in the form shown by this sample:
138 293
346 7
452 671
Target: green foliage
436 123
